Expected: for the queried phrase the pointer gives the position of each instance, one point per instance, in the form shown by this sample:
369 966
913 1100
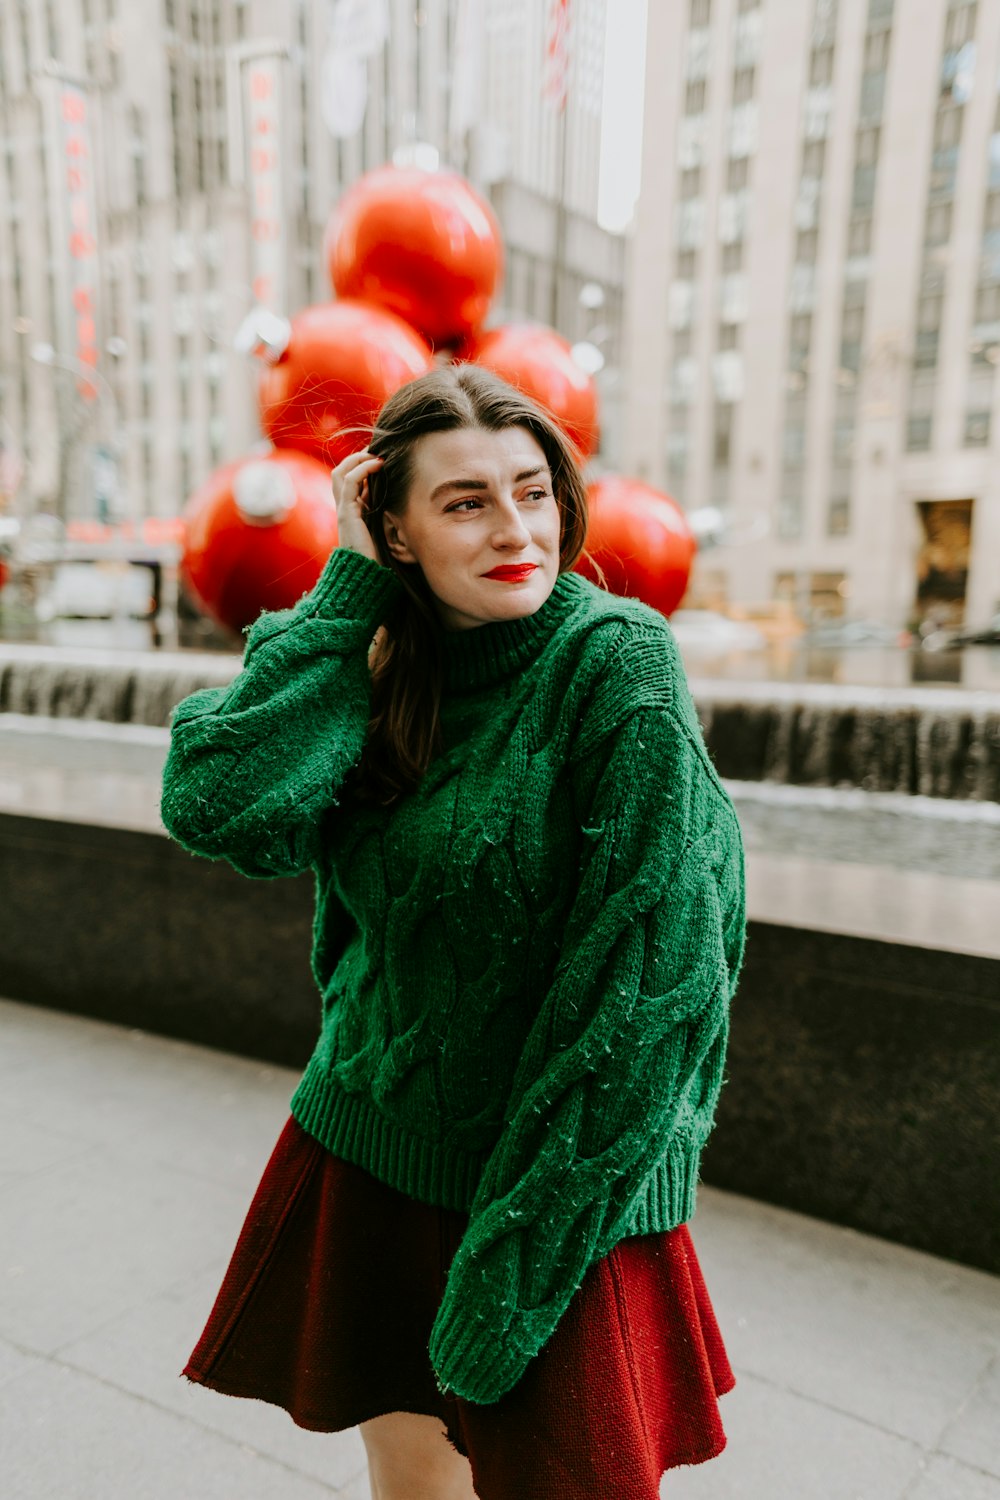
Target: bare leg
410 1458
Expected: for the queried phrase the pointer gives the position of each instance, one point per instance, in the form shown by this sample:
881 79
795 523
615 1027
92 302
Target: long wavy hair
404 732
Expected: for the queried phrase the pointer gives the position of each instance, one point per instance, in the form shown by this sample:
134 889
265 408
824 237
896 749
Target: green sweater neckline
486 654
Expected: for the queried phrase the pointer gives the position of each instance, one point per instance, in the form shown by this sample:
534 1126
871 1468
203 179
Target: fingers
350 477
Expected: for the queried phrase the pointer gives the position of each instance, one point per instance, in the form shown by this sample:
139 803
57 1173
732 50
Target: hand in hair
350 492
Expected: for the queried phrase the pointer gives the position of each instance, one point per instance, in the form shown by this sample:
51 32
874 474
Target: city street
864 1371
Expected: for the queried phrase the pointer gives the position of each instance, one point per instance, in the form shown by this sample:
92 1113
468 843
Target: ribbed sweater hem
351 1127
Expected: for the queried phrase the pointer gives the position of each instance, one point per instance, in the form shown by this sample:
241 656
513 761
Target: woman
471 1239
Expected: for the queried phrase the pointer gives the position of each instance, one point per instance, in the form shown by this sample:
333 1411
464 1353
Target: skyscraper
815 297
134 116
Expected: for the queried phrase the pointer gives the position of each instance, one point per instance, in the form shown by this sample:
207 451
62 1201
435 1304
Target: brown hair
405 661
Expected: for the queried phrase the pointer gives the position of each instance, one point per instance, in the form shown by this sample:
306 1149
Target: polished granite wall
863 1074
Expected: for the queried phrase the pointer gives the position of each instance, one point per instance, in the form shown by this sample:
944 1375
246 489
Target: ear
396 539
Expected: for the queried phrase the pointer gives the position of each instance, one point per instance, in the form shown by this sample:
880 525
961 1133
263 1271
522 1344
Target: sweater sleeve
614 1067
253 765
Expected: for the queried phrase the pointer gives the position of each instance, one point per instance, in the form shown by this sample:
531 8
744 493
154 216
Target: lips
512 572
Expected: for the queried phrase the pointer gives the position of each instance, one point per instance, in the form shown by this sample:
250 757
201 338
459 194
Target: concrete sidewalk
864 1371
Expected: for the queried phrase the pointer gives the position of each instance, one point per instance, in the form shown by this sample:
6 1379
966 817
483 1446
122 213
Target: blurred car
707 630
97 591
844 633
950 640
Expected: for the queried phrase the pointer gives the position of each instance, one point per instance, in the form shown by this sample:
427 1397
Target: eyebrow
481 484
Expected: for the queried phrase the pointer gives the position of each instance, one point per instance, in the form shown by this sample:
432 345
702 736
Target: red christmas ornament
424 244
642 541
329 371
4 573
540 363
257 534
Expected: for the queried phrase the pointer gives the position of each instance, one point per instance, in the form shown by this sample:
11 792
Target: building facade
140 108
814 324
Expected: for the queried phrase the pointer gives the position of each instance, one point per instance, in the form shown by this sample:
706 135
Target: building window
926 352
723 435
691 182
977 429
937 227
838 516
859 236
863 189
872 95
880 14
813 158
944 169
737 173
960 25
743 85
876 51
800 333
866 146
948 128
918 432
806 245
701 12
694 97
821 66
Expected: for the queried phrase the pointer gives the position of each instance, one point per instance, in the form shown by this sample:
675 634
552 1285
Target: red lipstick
512 572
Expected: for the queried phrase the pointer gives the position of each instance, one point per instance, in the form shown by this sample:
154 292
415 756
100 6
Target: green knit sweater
526 964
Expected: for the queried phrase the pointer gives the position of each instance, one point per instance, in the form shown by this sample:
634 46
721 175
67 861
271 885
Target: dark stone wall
863 1086
863 1078
131 928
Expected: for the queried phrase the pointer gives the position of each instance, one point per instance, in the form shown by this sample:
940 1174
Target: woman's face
480 501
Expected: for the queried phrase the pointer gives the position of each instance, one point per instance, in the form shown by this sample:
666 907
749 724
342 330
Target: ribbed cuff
353 587
472 1357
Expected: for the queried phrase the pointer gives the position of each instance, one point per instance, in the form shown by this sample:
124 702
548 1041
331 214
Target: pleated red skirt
326 1310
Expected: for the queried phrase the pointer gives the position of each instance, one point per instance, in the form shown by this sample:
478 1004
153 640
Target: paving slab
890 1335
70 1436
865 1371
944 1479
782 1446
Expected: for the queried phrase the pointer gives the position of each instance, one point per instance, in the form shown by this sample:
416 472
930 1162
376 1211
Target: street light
44 354
104 460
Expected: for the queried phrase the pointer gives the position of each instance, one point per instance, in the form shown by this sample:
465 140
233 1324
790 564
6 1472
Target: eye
536 494
458 504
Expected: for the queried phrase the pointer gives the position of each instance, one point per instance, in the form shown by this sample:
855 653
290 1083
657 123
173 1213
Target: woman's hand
350 492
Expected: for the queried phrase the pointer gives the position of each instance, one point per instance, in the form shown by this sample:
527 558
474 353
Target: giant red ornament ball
257 534
641 539
343 361
540 363
423 244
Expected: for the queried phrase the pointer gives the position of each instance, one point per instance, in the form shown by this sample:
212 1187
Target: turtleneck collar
485 654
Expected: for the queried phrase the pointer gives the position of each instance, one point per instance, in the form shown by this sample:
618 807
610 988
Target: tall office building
137 226
815 298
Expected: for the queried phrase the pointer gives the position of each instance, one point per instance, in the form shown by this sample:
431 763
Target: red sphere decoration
4 573
424 244
257 534
539 362
343 361
642 541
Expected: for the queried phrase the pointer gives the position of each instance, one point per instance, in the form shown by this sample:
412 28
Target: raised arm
624 1062
253 766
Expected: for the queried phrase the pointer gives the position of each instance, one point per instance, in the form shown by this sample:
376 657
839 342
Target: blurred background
748 251
769 232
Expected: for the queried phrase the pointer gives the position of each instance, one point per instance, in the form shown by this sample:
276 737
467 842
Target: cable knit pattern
526 964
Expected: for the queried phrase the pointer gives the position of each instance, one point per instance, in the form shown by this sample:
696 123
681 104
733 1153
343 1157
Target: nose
509 529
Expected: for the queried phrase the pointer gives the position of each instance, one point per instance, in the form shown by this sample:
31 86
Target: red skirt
327 1306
